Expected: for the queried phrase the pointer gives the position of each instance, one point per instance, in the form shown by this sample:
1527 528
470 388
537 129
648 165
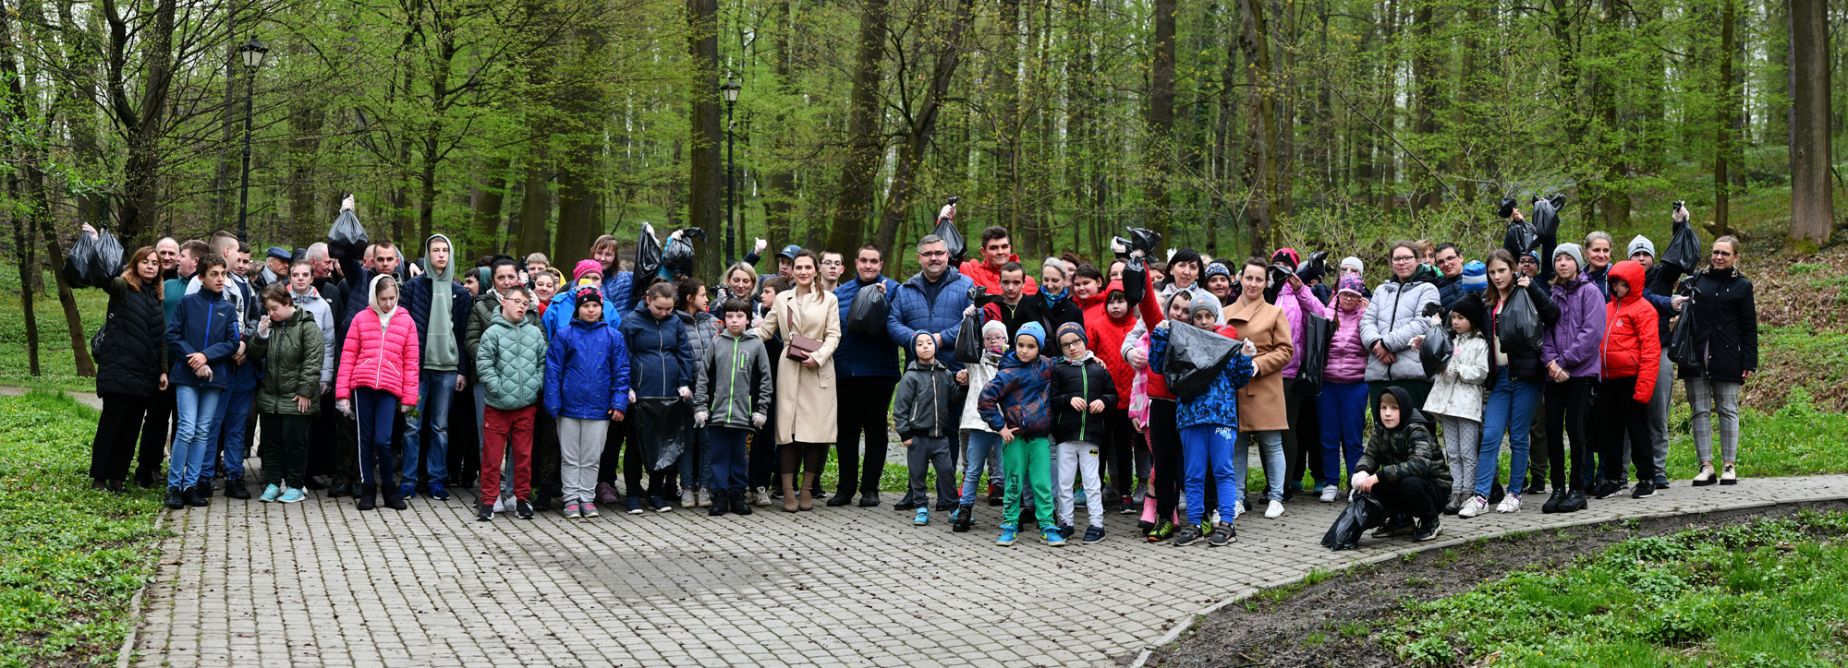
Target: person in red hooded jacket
997 250
1631 353
1107 324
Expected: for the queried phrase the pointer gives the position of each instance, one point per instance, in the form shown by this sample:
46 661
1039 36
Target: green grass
70 558
1766 593
58 370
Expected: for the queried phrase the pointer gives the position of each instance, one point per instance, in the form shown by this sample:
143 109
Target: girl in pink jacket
378 377
1342 405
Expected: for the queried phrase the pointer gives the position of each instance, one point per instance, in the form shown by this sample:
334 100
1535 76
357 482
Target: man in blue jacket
868 370
439 305
932 300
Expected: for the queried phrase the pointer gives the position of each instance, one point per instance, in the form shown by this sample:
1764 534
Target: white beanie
1353 262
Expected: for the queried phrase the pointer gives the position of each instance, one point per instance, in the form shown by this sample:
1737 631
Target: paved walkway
320 583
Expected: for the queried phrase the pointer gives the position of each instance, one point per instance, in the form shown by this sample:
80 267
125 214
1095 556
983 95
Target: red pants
499 427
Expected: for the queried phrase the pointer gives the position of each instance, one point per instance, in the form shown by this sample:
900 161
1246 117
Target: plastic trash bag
952 239
1195 358
1546 217
1683 249
1520 238
1316 333
1363 512
647 253
969 339
1682 349
665 427
1434 354
346 239
867 314
1519 324
93 260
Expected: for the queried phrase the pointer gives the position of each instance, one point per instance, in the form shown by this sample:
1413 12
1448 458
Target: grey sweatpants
1462 439
580 447
925 453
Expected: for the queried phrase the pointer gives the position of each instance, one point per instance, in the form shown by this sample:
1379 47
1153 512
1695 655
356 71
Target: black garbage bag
93 260
867 314
1316 333
1363 512
1314 268
1195 358
1683 250
1519 324
346 239
665 427
1546 217
1435 353
1505 209
969 339
677 254
647 253
952 240
78 262
1681 347
1520 237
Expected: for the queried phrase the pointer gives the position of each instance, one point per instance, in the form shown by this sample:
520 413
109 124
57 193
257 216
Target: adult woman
1296 299
1597 264
804 387
740 283
131 359
1262 413
1726 336
1342 405
1515 372
1394 318
1570 352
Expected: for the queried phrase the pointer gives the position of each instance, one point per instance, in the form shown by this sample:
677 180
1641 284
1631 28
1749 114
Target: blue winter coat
586 372
1218 406
859 355
660 359
1019 396
206 323
913 310
564 310
617 289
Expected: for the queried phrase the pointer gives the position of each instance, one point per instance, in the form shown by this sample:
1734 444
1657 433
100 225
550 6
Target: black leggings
1568 406
156 428
1620 414
1117 452
116 433
1165 442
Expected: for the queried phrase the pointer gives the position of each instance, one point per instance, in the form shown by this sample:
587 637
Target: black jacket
1088 380
131 353
1524 364
1726 329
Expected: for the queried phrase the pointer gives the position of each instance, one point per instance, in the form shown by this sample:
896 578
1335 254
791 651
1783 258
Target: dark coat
1523 364
859 355
915 307
1089 380
292 355
927 401
1727 335
131 353
1407 451
660 359
586 371
1018 396
205 323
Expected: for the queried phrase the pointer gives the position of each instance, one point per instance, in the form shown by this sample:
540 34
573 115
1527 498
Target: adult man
868 370
832 267
439 306
168 251
997 250
276 260
931 300
504 277
1450 270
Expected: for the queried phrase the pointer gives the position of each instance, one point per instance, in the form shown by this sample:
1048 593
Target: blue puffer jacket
586 372
859 355
913 309
660 362
617 289
564 310
1218 407
1019 396
206 323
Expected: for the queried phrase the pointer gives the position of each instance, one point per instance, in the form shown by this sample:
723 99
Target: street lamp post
730 89
252 52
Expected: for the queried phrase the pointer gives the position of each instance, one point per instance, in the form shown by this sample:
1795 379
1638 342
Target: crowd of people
366 375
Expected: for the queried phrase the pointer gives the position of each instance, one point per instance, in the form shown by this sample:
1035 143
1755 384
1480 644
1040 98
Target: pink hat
586 267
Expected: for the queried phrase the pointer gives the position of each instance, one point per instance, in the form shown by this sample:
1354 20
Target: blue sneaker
293 495
1093 534
1053 537
438 491
922 518
1008 532
407 491
270 493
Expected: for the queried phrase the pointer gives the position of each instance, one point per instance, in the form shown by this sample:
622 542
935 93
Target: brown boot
808 486
789 492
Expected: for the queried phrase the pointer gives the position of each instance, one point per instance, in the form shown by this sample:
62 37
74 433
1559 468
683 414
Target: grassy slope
58 370
70 558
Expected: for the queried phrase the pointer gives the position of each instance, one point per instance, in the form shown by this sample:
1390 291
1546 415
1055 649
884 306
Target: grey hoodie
733 382
926 401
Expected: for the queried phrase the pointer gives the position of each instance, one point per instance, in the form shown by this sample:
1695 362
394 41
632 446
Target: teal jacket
510 362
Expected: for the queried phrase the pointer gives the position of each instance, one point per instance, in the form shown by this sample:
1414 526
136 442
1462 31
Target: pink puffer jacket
1294 302
1347 359
383 358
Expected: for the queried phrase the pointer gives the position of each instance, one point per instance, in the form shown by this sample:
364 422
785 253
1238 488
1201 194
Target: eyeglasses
1403 258
940 253
1071 343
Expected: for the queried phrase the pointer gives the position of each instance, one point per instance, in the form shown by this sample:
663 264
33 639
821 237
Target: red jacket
990 279
1106 341
1631 347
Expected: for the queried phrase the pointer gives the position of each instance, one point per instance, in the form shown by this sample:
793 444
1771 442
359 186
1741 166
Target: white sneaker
1476 505
687 500
1274 511
760 497
1510 503
703 498
1329 493
500 505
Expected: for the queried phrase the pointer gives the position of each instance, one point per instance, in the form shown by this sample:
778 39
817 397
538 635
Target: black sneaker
905 504
1068 531
839 500
738 505
395 502
174 501
1188 535
1661 482
1552 502
316 484
716 508
950 504
1604 489
1223 534
235 489
869 500
1574 502
1093 534
1645 488
524 510
962 518
485 513
339 489
1427 529
1398 524
199 496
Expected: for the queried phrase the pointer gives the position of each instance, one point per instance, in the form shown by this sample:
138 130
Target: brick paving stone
842 586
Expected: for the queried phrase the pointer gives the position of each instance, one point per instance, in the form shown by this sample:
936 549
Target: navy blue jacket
913 309
859 355
204 323
586 371
660 361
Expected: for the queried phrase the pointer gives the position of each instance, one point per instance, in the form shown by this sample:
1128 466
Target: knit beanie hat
1287 256
1475 277
922 333
586 294
993 326
1203 306
1577 253
1472 309
1640 244
1034 330
586 267
1068 328
1530 256
1216 269
1351 284
1351 262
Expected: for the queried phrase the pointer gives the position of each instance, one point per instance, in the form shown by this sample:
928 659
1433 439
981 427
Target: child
1403 468
202 337
510 369
588 358
1208 425
984 447
1081 391
735 361
378 375
923 416
1015 405
764 453
288 342
661 372
702 327
1632 353
1456 396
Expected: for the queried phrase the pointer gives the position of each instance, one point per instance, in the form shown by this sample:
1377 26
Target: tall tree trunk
924 124
706 208
1425 55
227 149
1006 121
1812 210
1260 124
853 205
1161 118
780 183
142 118
536 211
1726 105
487 200
14 113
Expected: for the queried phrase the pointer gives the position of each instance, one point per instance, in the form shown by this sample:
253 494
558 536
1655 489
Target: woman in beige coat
805 403
1261 413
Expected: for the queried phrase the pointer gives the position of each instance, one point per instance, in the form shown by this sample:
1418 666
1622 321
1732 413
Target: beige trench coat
805 403
1260 402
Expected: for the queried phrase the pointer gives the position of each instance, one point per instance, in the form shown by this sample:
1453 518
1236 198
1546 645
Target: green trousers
1029 458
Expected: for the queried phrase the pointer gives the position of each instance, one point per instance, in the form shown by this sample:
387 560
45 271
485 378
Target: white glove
699 419
760 245
648 230
631 396
948 211
685 393
344 406
1251 349
757 420
346 203
675 235
968 311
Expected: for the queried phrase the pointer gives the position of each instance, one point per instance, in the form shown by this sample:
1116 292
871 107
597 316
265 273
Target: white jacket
1459 390
979 375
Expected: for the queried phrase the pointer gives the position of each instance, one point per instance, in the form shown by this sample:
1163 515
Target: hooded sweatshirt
1106 336
440 306
1404 451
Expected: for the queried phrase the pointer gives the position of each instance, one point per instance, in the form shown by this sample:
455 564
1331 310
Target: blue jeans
197 408
435 391
726 454
1270 445
982 445
1210 445
1342 412
373 410
695 464
1511 404
233 413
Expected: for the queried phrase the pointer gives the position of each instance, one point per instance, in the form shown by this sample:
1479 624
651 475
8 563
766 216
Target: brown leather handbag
797 347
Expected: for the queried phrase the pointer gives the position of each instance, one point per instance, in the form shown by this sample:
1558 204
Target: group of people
359 371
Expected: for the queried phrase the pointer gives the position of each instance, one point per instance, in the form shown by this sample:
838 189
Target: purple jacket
1293 302
1573 340
1347 359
